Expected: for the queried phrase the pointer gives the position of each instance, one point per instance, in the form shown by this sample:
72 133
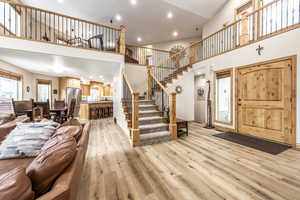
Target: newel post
172 125
192 54
150 81
122 39
135 120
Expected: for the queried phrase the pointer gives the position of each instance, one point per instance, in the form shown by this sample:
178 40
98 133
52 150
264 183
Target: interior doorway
200 97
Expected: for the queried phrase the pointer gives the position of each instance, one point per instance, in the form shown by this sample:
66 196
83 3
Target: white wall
137 76
224 15
53 49
286 44
185 100
117 97
29 79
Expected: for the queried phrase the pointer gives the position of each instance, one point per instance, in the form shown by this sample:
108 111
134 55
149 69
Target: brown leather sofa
65 186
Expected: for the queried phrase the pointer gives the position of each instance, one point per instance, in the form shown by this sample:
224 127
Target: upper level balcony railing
271 19
145 56
25 22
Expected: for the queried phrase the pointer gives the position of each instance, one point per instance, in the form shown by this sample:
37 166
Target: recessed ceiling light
139 39
118 17
60 1
170 15
133 2
175 33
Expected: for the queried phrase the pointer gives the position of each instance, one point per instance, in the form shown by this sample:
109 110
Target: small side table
182 127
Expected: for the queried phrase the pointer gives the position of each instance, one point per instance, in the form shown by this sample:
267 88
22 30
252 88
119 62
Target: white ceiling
53 65
147 19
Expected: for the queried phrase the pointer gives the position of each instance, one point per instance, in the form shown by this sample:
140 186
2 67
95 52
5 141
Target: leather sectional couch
65 186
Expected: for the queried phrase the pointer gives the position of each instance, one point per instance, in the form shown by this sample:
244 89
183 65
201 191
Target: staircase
153 127
174 75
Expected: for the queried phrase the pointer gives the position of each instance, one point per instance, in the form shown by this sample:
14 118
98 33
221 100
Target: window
223 97
10 85
43 90
9 19
94 95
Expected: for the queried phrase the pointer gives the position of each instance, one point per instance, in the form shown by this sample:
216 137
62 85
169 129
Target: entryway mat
253 142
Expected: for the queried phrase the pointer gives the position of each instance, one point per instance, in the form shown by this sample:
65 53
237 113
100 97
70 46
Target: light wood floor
199 166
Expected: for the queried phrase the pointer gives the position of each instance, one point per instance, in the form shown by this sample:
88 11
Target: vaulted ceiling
147 19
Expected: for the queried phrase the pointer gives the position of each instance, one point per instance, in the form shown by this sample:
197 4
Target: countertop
95 102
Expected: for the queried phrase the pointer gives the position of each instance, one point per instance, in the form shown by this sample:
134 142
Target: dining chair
45 107
70 112
23 107
71 109
59 103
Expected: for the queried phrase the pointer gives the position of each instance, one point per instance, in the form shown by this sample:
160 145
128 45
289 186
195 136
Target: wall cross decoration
259 49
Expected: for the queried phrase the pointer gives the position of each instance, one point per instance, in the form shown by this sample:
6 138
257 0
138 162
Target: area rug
253 142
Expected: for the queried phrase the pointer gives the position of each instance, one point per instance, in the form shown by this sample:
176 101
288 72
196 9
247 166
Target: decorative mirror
178 89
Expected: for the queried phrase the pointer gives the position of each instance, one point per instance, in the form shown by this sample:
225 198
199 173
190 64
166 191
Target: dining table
59 113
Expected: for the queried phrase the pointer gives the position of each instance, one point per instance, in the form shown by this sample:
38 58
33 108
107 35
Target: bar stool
98 112
101 112
93 113
110 111
106 112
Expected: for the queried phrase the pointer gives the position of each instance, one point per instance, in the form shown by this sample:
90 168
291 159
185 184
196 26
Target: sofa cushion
71 122
74 131
6 117
62 140
16 185
26 140
50 163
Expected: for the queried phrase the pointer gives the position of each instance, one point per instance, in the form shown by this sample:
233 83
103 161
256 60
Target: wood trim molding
223 71
46 82
224 129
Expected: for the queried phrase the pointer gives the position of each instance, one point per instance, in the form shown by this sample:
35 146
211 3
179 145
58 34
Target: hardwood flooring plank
196 167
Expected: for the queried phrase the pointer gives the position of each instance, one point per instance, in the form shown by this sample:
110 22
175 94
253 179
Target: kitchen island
94 110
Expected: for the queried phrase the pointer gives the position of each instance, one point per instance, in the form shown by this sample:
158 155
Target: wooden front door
264 101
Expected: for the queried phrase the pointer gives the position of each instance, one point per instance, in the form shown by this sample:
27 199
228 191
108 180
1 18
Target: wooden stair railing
165 100
144 55
130 103
30 23
276 17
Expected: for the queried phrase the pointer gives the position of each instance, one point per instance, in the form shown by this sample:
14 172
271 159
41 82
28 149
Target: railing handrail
142 47
232 24
160 84
128 83
58 14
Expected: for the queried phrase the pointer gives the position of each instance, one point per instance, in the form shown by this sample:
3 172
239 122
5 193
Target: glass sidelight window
223 97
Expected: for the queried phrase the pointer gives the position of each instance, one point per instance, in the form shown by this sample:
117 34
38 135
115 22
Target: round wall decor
178 89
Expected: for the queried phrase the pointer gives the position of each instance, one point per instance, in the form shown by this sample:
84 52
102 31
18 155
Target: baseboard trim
224 129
